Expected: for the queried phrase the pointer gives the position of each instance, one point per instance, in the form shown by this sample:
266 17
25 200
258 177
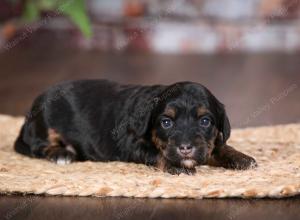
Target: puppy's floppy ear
223 124
148 105
140 116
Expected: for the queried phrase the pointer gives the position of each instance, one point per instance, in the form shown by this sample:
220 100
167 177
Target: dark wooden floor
40 208
257 90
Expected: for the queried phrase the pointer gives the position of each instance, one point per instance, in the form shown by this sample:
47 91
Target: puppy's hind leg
38 141
58 151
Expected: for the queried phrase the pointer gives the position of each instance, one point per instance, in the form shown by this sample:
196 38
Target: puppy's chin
188 163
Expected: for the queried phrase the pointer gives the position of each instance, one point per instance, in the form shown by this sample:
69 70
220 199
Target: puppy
174 128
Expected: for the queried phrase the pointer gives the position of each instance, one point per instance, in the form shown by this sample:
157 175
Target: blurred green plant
74 9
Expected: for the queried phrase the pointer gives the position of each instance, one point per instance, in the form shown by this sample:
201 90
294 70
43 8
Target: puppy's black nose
185 149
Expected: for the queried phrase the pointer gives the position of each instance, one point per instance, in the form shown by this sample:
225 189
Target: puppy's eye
166 123
205 122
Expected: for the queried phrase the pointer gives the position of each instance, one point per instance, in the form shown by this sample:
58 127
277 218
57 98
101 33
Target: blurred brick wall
178 26
201 26
191 26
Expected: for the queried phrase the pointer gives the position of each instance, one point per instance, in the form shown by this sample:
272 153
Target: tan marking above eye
202 111
170 112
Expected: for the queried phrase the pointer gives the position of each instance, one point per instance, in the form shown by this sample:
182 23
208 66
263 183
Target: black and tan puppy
174 128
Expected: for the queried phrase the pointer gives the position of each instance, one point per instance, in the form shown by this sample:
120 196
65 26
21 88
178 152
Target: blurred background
246 52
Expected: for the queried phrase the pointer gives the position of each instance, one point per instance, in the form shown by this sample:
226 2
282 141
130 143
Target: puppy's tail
20 146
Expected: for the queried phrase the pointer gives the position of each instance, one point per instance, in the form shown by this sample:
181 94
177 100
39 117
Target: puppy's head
188 124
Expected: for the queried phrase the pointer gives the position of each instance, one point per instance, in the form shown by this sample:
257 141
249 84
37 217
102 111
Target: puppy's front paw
242 162
230 158
60 156
179 170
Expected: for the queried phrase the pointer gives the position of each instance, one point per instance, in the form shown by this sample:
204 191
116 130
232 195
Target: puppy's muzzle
186 150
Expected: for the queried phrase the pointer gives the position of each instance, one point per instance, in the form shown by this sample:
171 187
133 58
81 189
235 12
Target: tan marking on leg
161 163
53 137
56 151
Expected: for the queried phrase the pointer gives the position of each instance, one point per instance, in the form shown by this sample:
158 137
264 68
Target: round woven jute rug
276 149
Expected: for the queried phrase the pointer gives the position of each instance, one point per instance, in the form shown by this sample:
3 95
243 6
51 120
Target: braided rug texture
276 149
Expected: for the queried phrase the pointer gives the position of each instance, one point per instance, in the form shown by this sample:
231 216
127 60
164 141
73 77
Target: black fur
104 121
